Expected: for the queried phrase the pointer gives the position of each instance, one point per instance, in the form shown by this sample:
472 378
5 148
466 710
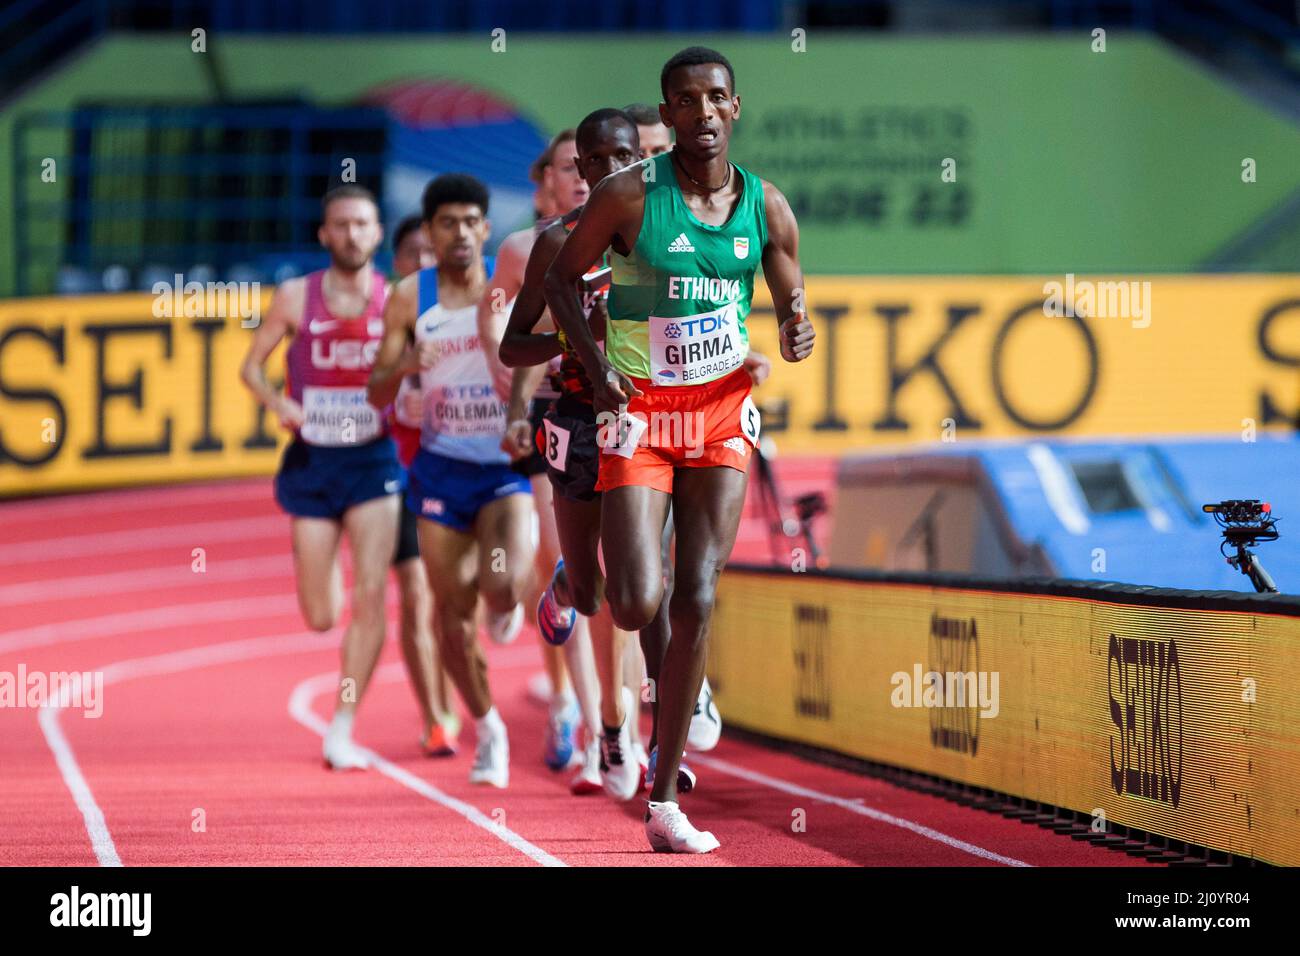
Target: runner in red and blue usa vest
476 519
686 230
340 472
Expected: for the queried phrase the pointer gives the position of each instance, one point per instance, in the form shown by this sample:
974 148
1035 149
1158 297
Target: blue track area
1137 506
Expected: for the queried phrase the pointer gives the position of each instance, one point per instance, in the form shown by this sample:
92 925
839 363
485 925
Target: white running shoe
587 780
491 759
619 770
342 754
504 628
670 832
706 723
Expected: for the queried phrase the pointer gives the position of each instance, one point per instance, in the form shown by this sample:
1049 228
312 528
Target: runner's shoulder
776 208
517 243
774 199
289 299
625 186
406 290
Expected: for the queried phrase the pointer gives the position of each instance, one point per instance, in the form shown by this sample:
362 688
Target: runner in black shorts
606 141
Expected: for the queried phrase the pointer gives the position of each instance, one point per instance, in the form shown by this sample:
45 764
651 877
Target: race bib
336 417
557 445
750 420
695 348
465 411
622 437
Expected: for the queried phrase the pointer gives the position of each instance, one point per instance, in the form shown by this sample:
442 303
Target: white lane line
101 841
152 538
154 618
176 574
147 499
853 806
210 655
300 709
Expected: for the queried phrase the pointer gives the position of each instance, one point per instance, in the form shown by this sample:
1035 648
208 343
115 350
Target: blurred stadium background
946 423
151 140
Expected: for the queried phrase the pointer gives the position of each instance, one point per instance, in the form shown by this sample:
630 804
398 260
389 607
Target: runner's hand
759 366
612 390
290 412
413 405
518 439
426 354
797 336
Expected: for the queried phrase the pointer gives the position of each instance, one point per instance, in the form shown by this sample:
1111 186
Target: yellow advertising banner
101 390
902 360
1173 720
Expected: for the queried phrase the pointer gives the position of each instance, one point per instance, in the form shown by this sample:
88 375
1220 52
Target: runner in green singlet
687 230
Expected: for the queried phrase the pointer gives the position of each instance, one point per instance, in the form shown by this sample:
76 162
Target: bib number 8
557 445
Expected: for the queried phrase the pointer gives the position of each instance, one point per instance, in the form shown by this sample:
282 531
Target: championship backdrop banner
898 154
98 391
1175 720
901 360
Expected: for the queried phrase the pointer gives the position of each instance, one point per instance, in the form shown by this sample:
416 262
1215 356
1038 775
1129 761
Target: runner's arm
501 288
396 358
281 320
785 278
520 345
518 440
614 203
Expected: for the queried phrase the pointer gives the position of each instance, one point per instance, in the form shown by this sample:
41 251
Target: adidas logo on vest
681 244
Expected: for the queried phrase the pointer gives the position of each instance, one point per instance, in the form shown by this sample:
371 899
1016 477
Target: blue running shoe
685 775
561 733
555 625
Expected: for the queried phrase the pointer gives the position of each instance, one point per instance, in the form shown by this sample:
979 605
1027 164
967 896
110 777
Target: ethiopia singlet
463 416
328 365
678 303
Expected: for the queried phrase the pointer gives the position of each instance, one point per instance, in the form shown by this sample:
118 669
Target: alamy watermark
623 431
1084 298
83 690
965 689
217 300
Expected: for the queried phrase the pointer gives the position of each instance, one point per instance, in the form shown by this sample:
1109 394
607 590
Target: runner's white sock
563 700
490 722
341 726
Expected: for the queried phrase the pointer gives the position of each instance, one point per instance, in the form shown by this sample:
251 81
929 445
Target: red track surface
199 719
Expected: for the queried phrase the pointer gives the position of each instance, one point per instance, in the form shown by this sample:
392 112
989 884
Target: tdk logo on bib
703 325
468 391
696 348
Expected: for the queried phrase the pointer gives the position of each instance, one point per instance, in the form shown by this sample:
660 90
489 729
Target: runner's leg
451 562
707 503
320 579
372 535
